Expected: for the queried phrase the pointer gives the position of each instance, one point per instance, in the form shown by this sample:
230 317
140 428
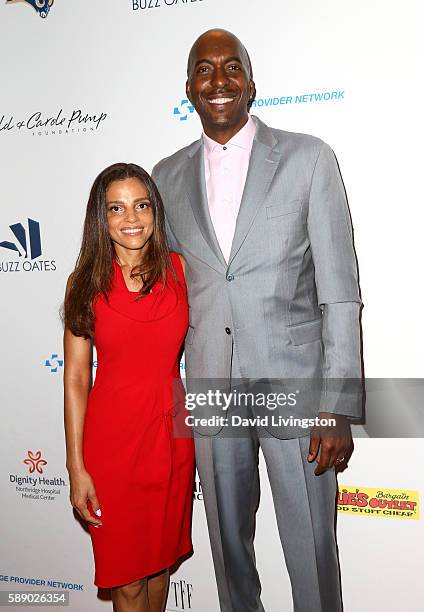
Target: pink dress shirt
225 174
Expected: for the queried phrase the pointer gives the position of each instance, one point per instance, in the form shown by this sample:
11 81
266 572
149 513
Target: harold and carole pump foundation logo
41 6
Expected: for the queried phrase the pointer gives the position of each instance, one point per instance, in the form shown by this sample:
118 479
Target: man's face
219 84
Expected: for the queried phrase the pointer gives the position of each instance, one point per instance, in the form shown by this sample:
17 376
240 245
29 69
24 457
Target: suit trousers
305 507
305 510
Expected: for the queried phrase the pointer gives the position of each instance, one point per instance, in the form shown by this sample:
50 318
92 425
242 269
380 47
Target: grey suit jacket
287 303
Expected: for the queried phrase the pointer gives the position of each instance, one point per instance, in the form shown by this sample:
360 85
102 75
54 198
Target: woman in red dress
131 479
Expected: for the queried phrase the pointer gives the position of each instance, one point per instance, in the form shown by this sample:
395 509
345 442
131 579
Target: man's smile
223 100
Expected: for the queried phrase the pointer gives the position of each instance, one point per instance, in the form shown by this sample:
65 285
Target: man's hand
330 445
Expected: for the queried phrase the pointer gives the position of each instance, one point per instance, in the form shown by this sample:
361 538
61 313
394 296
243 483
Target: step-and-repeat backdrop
87 83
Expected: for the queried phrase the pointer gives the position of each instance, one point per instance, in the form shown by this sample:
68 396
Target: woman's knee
132 590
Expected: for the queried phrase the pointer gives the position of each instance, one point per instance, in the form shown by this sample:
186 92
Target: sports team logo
41 6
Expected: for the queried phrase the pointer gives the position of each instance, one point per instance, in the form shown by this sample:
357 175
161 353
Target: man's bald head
217 36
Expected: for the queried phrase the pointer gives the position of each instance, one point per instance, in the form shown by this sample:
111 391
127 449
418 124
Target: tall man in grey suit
261 218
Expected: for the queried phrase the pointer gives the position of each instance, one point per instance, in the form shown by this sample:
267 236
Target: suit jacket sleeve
331 239
172 241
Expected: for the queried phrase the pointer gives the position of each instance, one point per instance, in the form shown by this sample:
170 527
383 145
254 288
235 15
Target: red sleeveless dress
143 475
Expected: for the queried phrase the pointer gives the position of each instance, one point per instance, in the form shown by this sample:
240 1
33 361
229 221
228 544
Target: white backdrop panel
105 58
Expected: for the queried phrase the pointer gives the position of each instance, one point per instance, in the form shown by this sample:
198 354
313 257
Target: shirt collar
243 139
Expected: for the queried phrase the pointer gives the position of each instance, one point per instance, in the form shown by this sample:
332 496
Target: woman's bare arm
77 381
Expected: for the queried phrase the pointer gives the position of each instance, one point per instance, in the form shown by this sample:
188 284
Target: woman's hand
82 490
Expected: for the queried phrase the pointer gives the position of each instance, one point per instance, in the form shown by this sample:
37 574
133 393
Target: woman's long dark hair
93 270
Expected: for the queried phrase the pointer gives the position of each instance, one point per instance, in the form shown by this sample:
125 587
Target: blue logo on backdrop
184 110
35 580
41 6
31 247
304 98
54 363
28 247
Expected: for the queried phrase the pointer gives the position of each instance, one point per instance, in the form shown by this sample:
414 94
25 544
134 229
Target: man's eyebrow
233 59
227 60
202 61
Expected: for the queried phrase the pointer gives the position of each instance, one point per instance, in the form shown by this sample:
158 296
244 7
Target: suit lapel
264 160
196 191
263 164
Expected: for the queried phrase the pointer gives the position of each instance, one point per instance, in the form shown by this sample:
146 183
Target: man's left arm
336 277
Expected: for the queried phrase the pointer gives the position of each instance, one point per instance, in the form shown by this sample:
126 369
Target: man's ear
188 90
252 94
252 91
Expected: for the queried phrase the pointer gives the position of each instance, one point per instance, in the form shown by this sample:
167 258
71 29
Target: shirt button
228 330
230 277
224 148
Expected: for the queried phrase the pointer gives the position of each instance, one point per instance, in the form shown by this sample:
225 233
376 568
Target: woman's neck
129 259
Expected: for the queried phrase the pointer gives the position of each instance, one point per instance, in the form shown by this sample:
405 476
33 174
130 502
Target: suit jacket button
227 330
230 277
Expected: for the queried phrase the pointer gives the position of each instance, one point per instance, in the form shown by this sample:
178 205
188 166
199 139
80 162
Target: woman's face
129 214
